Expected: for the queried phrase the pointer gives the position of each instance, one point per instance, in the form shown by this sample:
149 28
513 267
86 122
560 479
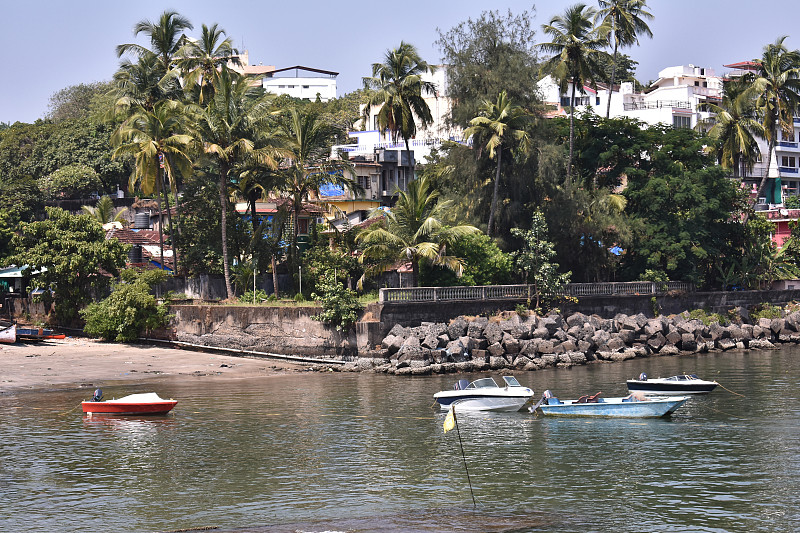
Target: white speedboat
485 395
671 386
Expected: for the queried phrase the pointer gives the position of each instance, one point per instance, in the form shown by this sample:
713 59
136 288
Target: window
364 182
597 100
705 84
681 122
788 136
697 84
305 86
579 100
788 161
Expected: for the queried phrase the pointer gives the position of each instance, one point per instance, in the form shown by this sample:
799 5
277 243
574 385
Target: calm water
347 452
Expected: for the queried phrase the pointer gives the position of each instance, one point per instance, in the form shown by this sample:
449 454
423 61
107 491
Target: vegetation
580 197
129 311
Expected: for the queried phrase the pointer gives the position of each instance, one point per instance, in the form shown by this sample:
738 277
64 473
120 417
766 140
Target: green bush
340 305
707 318
253 298
129 310
766 310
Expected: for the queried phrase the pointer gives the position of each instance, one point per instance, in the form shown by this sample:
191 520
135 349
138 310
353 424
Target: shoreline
77 362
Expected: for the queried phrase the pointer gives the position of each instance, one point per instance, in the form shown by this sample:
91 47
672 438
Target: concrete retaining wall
282 330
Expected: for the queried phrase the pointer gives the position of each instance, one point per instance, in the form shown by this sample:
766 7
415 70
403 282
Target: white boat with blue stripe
485 395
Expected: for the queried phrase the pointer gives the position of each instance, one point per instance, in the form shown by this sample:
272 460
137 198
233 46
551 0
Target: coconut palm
166 38
414 230
399 92
625 20
160 146
308 140
201 61
231 128
735 129
776 88
576 44
104 211
499 124
142 83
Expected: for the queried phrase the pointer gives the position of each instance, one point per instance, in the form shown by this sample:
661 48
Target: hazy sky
47 46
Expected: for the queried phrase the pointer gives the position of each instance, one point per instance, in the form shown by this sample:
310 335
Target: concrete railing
506 292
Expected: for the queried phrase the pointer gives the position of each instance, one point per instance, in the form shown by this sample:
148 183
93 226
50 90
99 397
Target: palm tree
166 38
399 90
414 230
142 83
499 124
735 129
103 211
776 87
201 61
626 21
231 128
308 141
160 146
575 46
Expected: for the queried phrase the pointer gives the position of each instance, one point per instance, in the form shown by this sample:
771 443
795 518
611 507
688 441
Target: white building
312 84
673 99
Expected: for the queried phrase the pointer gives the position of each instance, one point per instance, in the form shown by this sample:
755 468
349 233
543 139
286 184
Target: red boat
147 403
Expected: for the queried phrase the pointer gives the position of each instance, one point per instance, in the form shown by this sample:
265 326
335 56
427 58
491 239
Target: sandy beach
81 362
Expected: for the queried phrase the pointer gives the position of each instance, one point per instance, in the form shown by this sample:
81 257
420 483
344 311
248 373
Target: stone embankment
510 341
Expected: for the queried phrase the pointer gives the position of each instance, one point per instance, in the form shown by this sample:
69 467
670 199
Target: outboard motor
98 395
548 394
642 377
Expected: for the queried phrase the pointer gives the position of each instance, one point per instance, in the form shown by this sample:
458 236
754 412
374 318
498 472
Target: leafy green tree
399 91
166 39
535 260
161 147
735 129
682 209
624 69
626 20
72 181
340 305
104 211
75 101
776 87
484 264
230 128
575 47
201 61
500 125
487 55
414 230
306 141
69 252
128 311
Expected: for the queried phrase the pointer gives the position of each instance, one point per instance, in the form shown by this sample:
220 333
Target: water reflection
350 452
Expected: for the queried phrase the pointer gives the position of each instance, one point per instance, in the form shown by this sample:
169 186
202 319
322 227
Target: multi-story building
314 83
674 98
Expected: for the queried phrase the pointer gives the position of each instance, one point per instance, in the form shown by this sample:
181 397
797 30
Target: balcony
789 145
658 104
787 170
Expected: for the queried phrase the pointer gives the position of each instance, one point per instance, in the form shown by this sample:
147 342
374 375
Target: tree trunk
160 223
274 277
223 201
171 233
414 272
571 129
613 76
763 182
493 207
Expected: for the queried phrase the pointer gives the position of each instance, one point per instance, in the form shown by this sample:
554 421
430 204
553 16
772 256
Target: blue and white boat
634 406
485 395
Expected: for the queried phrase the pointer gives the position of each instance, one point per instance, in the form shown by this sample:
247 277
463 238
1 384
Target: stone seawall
511 341
281 330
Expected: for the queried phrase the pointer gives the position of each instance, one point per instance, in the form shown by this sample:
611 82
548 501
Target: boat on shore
680 385
8 332
636 405
38 334
148 403
485 395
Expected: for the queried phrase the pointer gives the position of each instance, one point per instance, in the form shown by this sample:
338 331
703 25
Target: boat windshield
482 383
511 381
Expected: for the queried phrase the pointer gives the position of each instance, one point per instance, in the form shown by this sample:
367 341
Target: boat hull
664 388
484 402
615 408
132 408
8 334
